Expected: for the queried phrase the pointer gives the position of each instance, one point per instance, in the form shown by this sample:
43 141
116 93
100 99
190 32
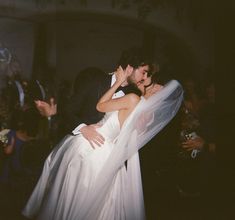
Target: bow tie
120 88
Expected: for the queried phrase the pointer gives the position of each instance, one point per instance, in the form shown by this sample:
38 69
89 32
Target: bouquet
3 137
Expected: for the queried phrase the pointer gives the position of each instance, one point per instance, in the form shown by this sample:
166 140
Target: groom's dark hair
135 57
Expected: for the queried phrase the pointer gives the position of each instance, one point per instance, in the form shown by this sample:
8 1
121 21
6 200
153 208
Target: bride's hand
156 88
121 75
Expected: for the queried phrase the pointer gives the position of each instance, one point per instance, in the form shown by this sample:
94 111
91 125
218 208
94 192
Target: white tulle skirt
68 178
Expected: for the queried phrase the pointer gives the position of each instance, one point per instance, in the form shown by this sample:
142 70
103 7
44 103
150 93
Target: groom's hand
89 132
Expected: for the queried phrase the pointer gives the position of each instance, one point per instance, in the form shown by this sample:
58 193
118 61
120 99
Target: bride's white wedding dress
82 183
69 173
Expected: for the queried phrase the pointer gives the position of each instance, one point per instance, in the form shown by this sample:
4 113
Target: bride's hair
157 76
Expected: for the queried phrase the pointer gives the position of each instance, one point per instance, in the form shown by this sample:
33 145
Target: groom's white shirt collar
113 79
119 93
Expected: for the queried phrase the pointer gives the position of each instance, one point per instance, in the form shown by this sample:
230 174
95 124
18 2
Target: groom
89 86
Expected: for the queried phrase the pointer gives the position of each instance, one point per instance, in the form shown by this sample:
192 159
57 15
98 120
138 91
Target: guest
23 130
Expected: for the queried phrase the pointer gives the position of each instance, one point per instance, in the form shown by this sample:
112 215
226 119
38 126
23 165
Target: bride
79 182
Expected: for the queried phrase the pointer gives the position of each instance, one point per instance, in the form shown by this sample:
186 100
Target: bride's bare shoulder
133 98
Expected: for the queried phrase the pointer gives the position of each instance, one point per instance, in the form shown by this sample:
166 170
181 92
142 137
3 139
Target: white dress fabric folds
82 183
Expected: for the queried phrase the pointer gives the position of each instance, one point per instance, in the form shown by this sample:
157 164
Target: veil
149 117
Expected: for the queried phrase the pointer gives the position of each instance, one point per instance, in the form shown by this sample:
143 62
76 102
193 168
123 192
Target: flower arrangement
3 137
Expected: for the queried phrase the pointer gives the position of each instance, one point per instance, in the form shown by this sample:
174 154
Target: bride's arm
107 104
126 102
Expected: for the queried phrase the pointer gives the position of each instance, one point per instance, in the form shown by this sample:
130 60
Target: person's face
138 75
143 83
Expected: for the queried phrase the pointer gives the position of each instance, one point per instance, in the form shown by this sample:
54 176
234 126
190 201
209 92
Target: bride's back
110 126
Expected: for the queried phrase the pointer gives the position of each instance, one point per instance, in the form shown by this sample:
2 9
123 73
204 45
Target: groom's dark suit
89 86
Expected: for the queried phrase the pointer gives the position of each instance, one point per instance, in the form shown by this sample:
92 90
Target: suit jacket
81 107
35 92
13 98
41 90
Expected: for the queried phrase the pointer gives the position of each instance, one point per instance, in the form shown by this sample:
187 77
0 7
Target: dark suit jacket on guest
13 95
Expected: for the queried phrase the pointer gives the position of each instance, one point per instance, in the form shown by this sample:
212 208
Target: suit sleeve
81 107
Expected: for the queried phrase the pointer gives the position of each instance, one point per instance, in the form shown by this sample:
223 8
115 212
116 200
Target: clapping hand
46 109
